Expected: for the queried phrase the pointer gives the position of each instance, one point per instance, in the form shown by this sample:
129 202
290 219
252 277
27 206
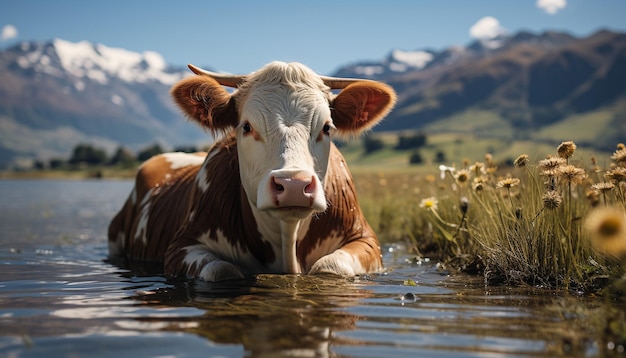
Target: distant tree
440 157
39 165
87 154
412 141
56 163
149 152
416 158
186 149
372 144
123 157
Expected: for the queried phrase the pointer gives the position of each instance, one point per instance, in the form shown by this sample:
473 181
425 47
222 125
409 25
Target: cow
273 194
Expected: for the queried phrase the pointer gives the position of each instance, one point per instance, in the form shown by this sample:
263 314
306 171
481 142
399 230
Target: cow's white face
283 141
282 119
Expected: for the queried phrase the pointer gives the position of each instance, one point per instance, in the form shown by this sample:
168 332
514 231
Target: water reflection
60 297
267 315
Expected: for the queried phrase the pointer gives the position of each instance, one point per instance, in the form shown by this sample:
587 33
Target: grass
523 225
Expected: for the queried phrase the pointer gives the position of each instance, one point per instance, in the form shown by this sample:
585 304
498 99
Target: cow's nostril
278 188
310 188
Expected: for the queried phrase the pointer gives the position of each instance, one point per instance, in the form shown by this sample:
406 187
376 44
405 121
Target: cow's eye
326 129
247 128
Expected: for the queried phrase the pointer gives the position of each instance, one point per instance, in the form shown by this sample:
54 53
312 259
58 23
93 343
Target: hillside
57 94
518 87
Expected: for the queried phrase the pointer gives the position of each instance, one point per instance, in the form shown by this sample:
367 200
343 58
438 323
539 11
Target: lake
59 297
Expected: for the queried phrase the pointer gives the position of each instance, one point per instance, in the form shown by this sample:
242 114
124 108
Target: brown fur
224 206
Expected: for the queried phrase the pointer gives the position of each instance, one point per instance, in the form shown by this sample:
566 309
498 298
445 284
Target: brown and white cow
274 195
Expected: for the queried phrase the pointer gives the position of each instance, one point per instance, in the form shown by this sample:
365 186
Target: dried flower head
478 185
571 174
551 163
521 161
462 176
602 187
616 174
508 183
477 169
489 158
429 203
619 157
593 196
566 149
551 199
607 229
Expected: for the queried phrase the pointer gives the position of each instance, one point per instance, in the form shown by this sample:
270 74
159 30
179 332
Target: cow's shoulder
166 168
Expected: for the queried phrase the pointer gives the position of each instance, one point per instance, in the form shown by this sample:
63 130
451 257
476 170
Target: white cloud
8 32
486 28
551 6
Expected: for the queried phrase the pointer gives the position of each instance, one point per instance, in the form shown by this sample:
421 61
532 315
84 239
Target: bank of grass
557 222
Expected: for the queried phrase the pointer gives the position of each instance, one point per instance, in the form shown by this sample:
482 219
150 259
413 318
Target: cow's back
157 206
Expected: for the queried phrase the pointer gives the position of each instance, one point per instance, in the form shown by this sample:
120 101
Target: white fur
179 160
224 249
214 269
202 179
142 226
339 263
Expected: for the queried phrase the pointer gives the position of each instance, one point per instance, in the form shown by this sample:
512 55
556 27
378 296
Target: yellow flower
429 203
607 229
462 176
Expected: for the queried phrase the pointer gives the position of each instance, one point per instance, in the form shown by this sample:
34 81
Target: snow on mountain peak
98 62
417 59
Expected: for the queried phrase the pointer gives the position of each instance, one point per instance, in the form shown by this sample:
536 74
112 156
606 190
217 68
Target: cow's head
284 116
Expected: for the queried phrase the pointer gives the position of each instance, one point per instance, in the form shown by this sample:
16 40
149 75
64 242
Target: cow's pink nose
294 191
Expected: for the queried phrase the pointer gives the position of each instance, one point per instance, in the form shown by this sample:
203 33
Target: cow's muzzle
296 191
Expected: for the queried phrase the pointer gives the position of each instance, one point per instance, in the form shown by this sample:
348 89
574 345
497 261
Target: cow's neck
283 235
289 237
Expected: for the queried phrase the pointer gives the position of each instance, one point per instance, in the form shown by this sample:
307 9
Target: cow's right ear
204 100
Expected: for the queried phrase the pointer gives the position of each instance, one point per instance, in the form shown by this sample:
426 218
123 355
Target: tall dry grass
557 223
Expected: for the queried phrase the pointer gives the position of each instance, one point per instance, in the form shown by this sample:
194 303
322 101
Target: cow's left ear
361 105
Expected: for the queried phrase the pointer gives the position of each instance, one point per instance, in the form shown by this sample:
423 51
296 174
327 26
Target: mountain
55 95
531 83
543 86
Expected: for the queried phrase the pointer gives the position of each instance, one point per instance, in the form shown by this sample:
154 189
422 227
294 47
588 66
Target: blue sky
241 36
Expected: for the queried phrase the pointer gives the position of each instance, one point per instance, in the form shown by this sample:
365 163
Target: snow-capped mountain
58 94
400 62
95 62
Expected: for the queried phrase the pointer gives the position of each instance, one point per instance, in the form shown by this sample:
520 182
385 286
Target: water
60 297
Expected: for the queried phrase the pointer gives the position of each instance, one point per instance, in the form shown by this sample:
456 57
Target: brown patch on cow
174 195
344 217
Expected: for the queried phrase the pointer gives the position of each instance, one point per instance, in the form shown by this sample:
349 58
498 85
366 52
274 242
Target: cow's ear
204 100
361 105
